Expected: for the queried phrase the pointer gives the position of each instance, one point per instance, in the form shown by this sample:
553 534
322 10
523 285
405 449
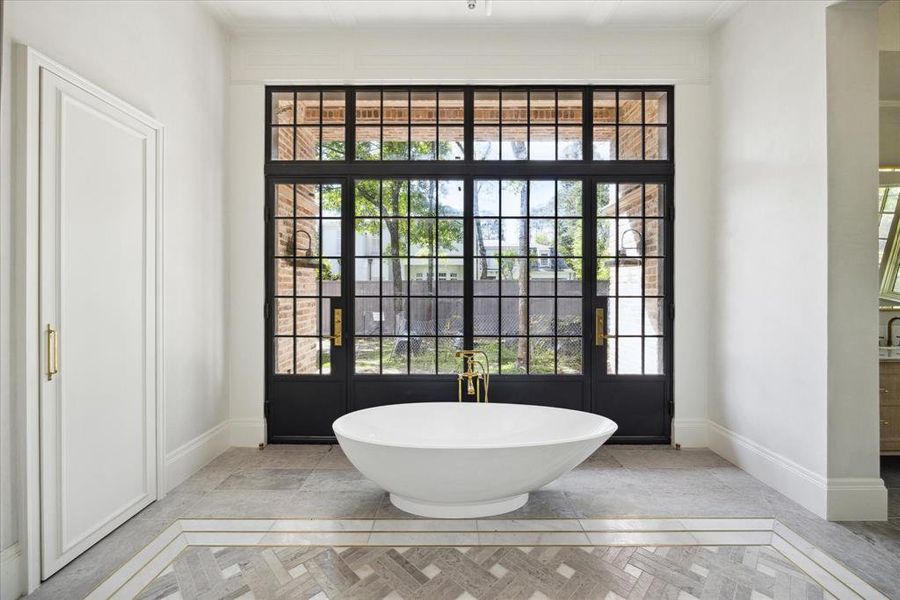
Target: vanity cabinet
889 394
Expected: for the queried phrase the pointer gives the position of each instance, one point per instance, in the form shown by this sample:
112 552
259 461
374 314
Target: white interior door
98 178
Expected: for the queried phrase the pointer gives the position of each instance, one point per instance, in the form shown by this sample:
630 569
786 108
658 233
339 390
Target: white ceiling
286 15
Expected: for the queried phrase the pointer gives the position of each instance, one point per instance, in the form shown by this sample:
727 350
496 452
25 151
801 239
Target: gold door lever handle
599 327
338 328
52 352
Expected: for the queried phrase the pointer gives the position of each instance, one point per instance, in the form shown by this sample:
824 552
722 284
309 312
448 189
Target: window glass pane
630 107
395 106
451 143
423 143
653 356
630 143
513 355
284 316
604 143
543 106
452 109
487 106
541 356
569 143
568 315
630 351
282 143
368 106
423 355
513 198
543 143
450 198
395 143
487 143
604 107
656 143
332 143
422 197
334 106
569 356
514 143
307 139
368 143
487 198
485 316
656 106
283 108
447 348
394 358
515 104
424 107
542 198
570 106
308 108
283 360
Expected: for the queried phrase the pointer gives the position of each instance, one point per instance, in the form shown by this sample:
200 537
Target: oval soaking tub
466 460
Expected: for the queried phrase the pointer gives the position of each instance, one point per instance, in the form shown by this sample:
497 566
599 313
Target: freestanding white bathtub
466 460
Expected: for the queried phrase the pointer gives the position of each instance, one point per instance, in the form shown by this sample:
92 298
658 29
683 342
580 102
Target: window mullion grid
643 255
469 125
381 125
294 275
321 128
318 276
408 269
528 275
527 126
555 124
587 125
350 126
643 127
468 264
617 144
555 262
381 275
408 125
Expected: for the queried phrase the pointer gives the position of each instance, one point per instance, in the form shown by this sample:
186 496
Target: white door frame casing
26 291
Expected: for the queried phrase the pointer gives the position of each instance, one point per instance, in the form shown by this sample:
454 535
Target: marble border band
136 573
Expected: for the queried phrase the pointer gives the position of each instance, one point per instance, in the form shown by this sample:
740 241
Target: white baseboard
857 499
798 483
835 499
10 575
247 432
690 433
189 458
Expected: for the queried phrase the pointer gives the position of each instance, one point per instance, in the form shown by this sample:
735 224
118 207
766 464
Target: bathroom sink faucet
890 332
475 371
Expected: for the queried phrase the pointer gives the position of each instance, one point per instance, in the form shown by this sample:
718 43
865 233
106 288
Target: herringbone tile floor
482 572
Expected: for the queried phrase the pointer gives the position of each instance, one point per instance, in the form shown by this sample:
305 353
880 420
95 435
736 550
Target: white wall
469 56
792 396
169 60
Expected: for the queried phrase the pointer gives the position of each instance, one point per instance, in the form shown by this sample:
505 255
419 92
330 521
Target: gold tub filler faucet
475 372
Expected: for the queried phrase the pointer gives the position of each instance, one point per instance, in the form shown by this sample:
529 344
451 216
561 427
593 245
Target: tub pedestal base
459 510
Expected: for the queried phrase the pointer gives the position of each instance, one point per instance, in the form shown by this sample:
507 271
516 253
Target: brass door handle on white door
52 352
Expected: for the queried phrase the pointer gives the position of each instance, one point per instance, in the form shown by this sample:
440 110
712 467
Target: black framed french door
631 306
508 219
306 307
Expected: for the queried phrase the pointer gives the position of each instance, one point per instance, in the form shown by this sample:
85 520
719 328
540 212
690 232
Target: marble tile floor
317 481
483 572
